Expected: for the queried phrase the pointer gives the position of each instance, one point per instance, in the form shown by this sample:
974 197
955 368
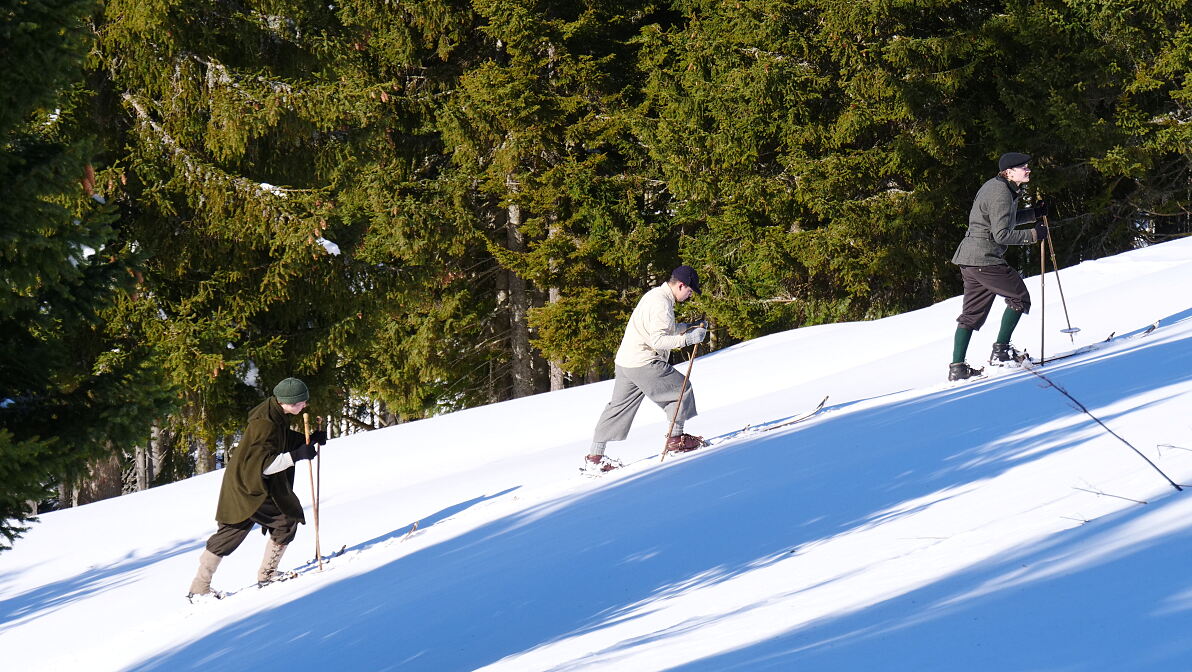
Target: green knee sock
960 344
1009 321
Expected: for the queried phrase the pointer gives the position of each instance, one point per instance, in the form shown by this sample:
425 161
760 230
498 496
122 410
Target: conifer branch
202 171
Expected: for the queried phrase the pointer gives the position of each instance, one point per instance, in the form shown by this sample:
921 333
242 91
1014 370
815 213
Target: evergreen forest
419 206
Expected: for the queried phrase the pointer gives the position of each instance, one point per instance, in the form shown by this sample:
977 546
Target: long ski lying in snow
801 418
326 558
1098 345
766 427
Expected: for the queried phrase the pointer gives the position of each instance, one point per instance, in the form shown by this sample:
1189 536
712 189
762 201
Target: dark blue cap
687 276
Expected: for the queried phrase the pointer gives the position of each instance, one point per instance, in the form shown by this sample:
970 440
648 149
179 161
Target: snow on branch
201 170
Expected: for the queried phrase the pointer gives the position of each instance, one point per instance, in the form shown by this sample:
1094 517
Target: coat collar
1015 188
666 291
269 410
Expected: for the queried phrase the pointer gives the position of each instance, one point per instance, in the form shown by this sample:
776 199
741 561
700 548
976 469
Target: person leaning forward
643 369
258 486
992 229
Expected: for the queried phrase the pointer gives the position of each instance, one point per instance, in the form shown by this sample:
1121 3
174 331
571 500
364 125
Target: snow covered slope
911 525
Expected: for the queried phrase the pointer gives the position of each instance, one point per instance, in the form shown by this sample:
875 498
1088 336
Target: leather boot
684 443
269 563
208 563
598 464
1004 354
962 371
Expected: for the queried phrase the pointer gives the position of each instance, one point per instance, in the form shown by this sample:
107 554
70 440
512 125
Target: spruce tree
72 389
823 155
543 147
232 126
422 341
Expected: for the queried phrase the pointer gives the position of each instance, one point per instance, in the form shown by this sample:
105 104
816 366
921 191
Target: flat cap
1012 160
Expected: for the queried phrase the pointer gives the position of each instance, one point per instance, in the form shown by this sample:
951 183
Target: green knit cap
291 391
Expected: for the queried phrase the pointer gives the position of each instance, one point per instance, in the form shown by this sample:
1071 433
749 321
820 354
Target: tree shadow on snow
1061 605
46 599
584 562
428 521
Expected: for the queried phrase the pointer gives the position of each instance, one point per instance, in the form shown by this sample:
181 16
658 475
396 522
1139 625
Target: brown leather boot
598 464
201 585
269 563
683 443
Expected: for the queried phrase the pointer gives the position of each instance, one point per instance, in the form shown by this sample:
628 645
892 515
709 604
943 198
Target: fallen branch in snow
1098 492
1159 446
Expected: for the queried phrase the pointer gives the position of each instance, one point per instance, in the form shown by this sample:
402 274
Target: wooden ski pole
679 404
313 492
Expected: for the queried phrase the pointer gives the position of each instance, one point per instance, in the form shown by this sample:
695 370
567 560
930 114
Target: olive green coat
245 486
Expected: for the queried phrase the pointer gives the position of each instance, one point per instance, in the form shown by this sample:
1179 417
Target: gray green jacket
992 223
245 486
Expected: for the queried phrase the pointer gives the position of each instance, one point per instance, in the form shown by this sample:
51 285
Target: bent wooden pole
310 469
679 404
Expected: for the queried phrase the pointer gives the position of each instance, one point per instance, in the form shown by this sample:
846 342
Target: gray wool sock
597 448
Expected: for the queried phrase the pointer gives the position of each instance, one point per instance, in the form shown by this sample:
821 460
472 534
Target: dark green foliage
221 103
505 178
581 330
560 189
72 387
823 155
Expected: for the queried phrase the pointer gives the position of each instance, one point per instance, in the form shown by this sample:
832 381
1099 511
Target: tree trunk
141 467
228 445
105 480
522 365
387 417
157 452
204 452
556 371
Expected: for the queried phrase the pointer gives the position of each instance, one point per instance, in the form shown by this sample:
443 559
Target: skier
643 369
981 257
258 486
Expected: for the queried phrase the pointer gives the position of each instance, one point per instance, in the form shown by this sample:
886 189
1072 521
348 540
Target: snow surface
914 524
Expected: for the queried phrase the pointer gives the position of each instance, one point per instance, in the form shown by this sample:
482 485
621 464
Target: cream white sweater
651 332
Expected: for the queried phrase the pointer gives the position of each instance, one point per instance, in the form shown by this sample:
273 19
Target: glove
1040 232
306 451
1040 210
318 437
694 336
